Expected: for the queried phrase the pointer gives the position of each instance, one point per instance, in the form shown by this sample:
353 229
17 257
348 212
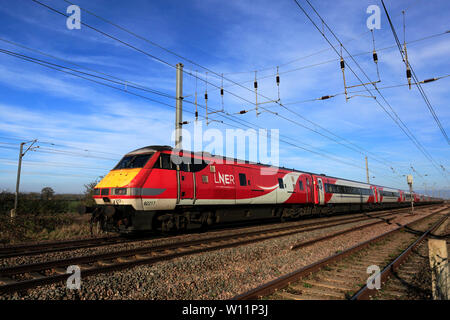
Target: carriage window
281 183
300 185
242 179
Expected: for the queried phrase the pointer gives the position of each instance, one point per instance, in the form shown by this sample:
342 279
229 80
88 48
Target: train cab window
196 165
242 179
186 167
300 185
281 183
164 162
134 161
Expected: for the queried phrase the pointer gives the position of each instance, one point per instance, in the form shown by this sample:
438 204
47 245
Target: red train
159 188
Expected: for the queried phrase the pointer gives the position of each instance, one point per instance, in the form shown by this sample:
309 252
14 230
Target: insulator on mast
278 83
255 84
408 75
343 75
206 98
374 55
196 108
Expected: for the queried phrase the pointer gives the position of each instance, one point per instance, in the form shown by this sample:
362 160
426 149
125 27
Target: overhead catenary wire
393 116
359 36
325 97
113 37
337 59
410 71
57 144
124 84
52 151
39 62
142 38
51 164
407 132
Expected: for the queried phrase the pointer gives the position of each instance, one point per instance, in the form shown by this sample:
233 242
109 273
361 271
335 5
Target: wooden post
438 257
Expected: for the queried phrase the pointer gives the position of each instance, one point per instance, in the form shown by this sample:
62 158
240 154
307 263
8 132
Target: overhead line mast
179 108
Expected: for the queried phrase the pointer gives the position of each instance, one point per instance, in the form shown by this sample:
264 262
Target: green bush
30 205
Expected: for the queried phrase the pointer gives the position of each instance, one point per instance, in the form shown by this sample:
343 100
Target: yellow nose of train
118 178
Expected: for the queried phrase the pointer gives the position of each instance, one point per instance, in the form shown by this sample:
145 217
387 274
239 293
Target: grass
27 228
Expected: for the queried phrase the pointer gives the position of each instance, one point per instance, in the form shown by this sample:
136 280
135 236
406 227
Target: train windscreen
134 161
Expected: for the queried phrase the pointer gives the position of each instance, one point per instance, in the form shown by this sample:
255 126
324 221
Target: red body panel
222 182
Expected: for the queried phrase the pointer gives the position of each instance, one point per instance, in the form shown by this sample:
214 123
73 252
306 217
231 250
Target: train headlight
120 191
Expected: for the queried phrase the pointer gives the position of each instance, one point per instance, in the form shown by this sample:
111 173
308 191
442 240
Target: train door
309 190
320 192
186 180
375 194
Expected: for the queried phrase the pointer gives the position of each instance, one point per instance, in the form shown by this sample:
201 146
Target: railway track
54 246
412 279
59 246
343 275
21 277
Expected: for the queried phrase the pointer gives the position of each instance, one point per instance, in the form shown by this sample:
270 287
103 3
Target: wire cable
396 119
422 92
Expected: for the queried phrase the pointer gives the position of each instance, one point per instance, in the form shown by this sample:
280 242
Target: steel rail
59 246
365 293
144 255
283 281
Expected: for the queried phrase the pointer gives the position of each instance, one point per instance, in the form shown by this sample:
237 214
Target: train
159 188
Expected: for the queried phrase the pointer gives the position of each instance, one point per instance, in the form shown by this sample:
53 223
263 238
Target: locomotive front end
118 194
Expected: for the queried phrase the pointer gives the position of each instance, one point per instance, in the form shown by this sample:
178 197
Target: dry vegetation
25 228
41 219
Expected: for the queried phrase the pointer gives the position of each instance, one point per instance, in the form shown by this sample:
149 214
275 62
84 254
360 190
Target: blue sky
92 126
